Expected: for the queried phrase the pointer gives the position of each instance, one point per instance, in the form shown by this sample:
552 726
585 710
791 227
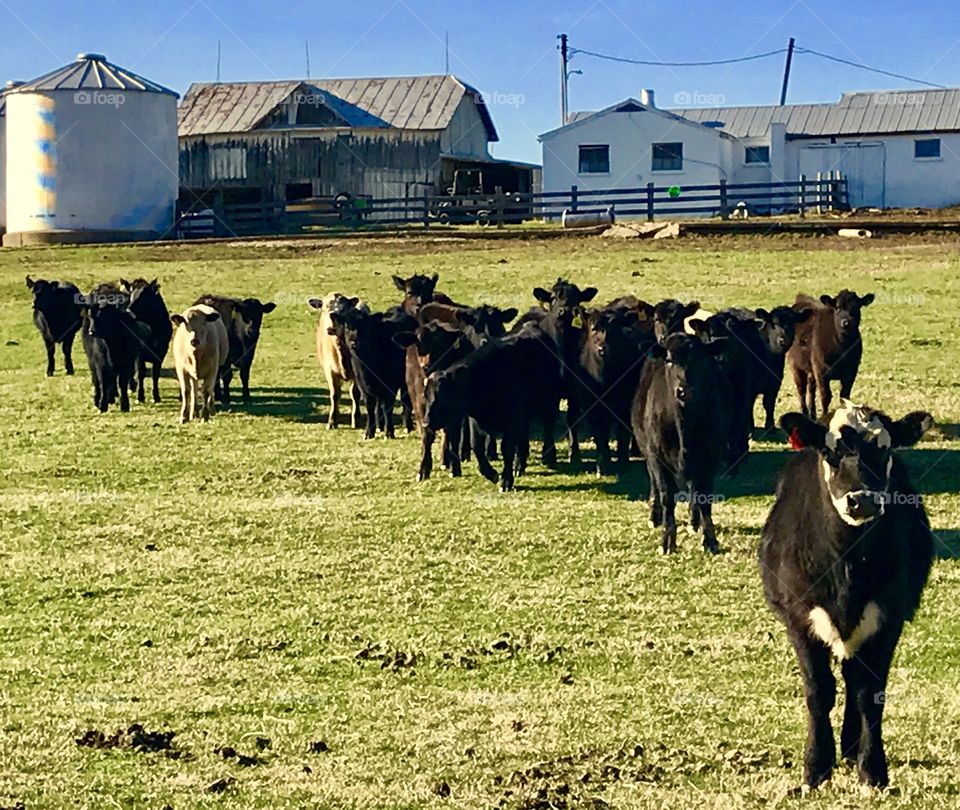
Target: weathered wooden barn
291 140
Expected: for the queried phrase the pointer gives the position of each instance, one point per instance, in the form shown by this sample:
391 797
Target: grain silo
91 156
3 155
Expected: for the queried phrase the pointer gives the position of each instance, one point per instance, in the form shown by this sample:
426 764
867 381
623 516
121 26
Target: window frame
670 169
580 164
918 141
746 155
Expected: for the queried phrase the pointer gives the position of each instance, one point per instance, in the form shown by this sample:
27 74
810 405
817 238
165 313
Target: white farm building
897 148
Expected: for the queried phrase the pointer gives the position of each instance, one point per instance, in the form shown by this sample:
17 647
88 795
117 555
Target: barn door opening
861 163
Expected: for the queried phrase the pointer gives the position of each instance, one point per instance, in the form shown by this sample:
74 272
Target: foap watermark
313 98
899 498
102 299
501 99
898 99
698 98
99 98
700 498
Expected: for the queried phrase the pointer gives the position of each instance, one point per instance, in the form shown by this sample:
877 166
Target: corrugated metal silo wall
373 162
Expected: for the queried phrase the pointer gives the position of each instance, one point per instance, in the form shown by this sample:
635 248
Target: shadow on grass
946 544
292 404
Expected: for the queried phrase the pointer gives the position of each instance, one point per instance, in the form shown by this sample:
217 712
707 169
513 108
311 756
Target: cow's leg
656 501
426 454
245 377
50 346
333 387
155 372
823 386
373 413
820 690
123 381
866 678
491 447
354 404
407 407
189 399
480 451
695 516
141 373
623 448
846 385
769 404
465 440
702 501
387 406
67 348
800 380
811 396
573 419
509 448
548 456
523 451
225 376
99 395
668 498
601 436
452 440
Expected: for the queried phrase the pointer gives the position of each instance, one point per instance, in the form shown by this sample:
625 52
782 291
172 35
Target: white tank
91 156
3 166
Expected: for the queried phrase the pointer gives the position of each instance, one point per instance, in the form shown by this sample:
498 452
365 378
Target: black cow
777 329
844 556
827 347
148 307
376 358
681 416
56 314
669 316
504 386
617 340
419 290
243 319
561 318
109 336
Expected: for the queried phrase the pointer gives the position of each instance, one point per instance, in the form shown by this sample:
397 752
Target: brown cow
334 357
200 348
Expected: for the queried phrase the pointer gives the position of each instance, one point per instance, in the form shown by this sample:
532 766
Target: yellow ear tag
578 321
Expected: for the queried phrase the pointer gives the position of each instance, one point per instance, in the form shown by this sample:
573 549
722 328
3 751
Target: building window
667 157
757 154
926 148
595 159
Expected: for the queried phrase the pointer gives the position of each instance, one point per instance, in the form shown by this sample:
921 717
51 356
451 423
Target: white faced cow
200 348
845 554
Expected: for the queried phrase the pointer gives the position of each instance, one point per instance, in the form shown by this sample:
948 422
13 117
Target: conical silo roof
92 71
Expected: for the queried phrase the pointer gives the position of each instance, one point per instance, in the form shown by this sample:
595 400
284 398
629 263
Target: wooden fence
827 192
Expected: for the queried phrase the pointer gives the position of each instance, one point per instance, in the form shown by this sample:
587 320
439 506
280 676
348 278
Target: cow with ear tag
681 419
844 555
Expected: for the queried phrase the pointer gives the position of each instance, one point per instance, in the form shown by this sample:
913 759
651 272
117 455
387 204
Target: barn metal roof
92 71
403 102
873 113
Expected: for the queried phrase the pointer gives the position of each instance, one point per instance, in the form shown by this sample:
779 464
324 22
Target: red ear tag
795 441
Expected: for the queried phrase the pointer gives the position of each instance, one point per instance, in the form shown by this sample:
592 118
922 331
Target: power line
867 67
751 58
658 63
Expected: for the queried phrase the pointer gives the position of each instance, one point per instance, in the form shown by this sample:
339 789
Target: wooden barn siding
465 136
374 163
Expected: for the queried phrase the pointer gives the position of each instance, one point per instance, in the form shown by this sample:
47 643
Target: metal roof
873 113
92 71
403 102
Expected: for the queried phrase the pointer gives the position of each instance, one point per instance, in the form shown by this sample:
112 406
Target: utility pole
218 60
306 48
786 73
563 78
446 52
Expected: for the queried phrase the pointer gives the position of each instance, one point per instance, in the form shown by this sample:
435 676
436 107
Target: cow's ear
404 339
124 285
399 283
352 301
803 431
155 284
908 430
698 325
269 307
657 351
331 331
435 278
176 320
587 294
30 283
316 303
466 317
645 310
763 315
866 300
212 316
507 315
801 315
828 300
691 308
542 295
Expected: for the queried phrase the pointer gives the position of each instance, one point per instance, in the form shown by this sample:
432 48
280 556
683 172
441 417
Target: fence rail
824 192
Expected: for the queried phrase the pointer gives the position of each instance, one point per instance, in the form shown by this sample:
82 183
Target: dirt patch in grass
133 738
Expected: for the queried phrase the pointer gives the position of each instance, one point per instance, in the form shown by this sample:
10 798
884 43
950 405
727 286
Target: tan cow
334 357
200 347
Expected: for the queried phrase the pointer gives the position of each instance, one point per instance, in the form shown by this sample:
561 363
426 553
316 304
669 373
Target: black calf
56 314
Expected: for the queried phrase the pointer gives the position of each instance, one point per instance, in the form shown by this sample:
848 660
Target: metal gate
863 164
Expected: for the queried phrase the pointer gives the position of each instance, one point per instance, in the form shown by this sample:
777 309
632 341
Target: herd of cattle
845 551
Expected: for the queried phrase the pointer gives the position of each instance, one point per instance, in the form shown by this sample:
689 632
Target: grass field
435 644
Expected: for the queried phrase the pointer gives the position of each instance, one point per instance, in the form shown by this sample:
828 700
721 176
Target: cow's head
778 327
486 319
856 454
44 292
445 399
417 291
690 365
846 306
336 302
109 323
669 315
141 293
195 325
613 331
564 301
435 342
248 317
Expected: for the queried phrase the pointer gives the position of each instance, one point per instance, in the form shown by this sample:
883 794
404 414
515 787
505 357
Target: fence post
724 207
650 202
819 192
426 210
498 191
573 199
803 196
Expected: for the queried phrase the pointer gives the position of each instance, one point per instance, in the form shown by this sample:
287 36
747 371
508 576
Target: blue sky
505 49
